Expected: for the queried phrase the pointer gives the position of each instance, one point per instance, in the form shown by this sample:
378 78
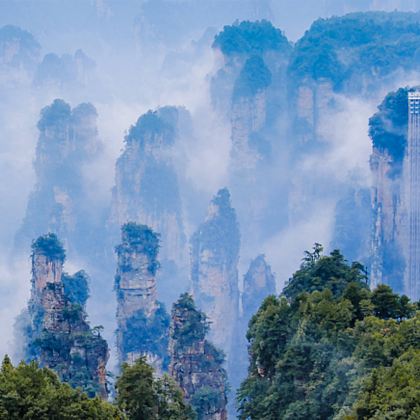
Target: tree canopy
331 348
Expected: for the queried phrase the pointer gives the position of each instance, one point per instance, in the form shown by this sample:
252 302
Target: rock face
214 274
388 131
19 54
142 321
250 88
259 282
328 61
58 335
67 142
353 225
195 364
147 192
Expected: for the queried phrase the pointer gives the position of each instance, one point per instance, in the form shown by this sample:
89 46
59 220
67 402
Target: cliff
353 225
19 55
195 364
354 54
214 274
147 192
58 335
259 282
142 321
388 131
250 88
59 203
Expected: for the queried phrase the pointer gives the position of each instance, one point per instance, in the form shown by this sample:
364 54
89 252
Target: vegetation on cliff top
49 246
162 122
140 238
374 43
251 38
388 127
253 78
331 348
196 364
220 232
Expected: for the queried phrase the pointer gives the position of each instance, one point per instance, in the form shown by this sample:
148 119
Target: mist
126 58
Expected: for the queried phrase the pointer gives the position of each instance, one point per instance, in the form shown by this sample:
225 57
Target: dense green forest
329 348
30 392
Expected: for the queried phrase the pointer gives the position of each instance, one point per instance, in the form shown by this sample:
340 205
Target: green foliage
140 238
76 287
319 272
58 113
254 77
147 334
154 123
28 392
194 325
49 246
388 127
251 38
357 44
198 365
391 392
141 396
314 351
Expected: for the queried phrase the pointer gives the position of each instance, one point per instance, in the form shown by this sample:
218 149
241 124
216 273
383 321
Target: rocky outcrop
68 141
353 225
142 321
259 282
250 88
388 131
147 192
214 259
19 55
328 61
58 335
195 364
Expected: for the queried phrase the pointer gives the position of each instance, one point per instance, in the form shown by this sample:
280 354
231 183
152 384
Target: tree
28 392
332 349
142 397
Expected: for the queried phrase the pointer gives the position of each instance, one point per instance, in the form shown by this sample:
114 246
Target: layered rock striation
142 321
214 273
58 334
195 364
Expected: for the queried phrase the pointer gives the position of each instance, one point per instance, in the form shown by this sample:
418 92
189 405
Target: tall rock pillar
58 335
142 320
195 364
215 253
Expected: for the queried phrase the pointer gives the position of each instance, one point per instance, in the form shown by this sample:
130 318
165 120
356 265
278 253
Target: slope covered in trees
328 347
